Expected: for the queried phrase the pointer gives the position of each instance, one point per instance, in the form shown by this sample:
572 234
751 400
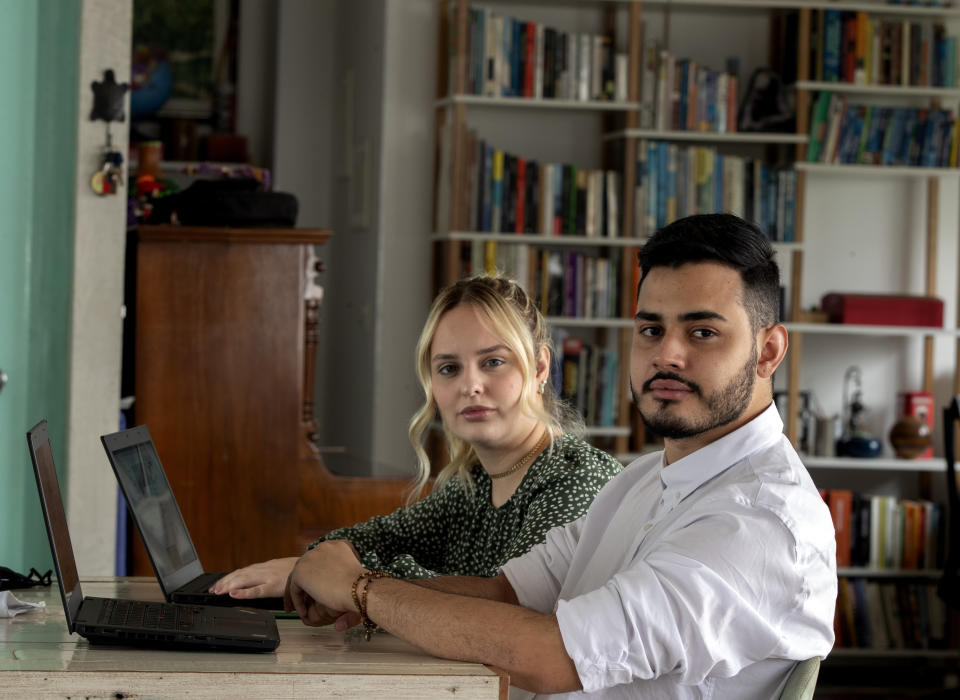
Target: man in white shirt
704 570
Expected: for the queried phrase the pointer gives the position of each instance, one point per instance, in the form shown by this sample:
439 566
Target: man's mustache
693 386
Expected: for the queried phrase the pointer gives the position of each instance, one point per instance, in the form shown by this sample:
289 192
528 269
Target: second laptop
158 519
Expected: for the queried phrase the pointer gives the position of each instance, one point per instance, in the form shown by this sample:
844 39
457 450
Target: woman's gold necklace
541 443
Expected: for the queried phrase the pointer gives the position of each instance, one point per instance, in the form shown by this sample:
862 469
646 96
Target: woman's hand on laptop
265 579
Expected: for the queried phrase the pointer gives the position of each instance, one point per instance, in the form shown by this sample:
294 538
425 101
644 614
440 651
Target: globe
151 84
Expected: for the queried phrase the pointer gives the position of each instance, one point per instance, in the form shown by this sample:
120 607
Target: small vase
910 437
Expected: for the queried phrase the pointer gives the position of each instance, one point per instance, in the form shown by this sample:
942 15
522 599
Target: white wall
404 262
99 242
256 67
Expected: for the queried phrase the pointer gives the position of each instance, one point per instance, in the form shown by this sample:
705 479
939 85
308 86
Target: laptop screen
51 502
154 508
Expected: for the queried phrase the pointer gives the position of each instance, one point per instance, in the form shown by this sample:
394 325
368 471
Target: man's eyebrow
689 316
702 316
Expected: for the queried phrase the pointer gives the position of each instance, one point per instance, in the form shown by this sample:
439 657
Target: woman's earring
543 388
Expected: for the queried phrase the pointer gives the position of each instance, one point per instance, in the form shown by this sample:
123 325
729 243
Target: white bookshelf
872 572
847 170
563 240
607 431
539 239
538 103
935 464
877 8
906 91
713 137
850 652
857 329
581 322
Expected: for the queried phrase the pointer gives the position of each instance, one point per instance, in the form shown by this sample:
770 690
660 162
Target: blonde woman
517 466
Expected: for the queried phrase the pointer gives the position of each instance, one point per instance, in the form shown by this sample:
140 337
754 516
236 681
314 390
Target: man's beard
723 406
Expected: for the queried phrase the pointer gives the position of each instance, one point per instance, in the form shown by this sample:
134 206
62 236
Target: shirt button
647 526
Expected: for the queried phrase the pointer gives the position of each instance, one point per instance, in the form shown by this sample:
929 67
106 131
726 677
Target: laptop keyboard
158 616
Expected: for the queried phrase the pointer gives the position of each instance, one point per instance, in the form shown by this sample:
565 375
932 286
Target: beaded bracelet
369 626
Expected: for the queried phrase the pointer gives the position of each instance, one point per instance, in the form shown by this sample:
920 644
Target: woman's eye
446 370
494 362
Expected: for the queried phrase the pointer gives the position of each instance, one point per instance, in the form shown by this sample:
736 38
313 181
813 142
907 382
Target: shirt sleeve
407 542
538 575
709 599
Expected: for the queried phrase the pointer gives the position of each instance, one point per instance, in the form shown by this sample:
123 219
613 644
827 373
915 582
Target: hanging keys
109 178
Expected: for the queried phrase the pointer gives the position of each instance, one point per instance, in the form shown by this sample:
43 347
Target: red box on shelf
919 404
883 309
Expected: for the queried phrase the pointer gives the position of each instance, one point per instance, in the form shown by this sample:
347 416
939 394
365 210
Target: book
835 114
519 214
891 610
832 41
840 503
845 604
818 126
877 619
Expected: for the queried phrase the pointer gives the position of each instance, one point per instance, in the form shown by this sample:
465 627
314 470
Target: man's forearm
490 588
524 643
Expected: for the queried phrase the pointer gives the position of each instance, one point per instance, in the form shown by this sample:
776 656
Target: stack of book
852 47
884 615
588 378
681 95
510 57
883 532
508 193
674 181
841 132
577 284
570 283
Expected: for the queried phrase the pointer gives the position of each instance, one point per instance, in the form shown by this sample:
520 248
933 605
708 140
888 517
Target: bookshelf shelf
866 572
538 239
853 329
567 241
577 322
847 170
767 5
537 103
904 91
851 652
607 431
760 5
877 464
767 138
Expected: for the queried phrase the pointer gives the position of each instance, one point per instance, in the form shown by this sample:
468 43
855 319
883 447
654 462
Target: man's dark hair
728 240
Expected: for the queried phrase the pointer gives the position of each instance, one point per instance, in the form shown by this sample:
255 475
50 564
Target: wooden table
39 658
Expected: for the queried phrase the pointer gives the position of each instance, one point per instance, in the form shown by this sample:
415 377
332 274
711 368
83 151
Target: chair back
802 680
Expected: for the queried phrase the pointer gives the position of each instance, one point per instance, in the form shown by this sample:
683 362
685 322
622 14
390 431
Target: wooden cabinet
225 346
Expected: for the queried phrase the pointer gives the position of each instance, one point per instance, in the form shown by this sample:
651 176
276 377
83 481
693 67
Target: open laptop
141 623
161 525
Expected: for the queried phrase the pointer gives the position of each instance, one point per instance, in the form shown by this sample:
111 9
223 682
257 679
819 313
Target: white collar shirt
706 578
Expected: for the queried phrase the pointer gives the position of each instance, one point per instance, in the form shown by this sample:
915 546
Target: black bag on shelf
235 202
949 588
766 104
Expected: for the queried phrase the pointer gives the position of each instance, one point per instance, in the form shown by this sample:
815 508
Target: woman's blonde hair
509 313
